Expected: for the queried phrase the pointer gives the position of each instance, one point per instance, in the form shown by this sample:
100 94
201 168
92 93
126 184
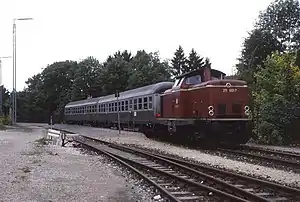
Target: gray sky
74 29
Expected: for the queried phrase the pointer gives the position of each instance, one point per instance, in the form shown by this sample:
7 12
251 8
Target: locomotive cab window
193 80
177 82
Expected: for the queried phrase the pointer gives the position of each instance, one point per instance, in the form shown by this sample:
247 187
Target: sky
75 29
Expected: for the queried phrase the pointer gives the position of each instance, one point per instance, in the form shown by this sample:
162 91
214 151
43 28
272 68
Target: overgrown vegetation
4 120
269 64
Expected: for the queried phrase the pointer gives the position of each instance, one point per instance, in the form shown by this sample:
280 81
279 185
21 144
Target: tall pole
14 98
14 78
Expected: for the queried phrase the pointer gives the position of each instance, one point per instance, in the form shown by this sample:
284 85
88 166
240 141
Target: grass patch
42 141
2 126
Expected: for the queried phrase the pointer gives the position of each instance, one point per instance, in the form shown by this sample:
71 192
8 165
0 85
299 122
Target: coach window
109 107
123 106
119 105
140 103
116 106
130 104
150 102
145 102
135 104
126 105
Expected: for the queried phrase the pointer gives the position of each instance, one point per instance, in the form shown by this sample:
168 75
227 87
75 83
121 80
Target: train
201 105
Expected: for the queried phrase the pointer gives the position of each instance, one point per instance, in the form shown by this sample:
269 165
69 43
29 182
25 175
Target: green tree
278 94
147 69
87 81
115 74
277 29
179 62
256 48
282 20
195 61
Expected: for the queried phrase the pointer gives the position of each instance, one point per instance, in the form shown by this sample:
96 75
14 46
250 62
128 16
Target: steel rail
178 178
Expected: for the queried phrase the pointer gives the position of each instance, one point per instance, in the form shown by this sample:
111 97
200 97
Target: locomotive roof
145 90
214 73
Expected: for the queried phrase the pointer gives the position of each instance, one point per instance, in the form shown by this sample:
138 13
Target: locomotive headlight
247 110
211 110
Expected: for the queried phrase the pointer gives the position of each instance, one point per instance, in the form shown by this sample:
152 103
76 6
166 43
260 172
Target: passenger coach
137 107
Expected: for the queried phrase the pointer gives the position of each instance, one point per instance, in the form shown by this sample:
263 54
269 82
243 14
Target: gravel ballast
281 176
31 170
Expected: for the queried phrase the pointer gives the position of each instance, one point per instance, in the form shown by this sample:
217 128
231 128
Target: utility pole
14 93
117 95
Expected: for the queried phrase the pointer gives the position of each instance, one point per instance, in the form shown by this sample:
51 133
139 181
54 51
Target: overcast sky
76 29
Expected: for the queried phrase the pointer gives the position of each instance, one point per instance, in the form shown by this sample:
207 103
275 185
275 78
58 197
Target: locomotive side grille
221 109
236 108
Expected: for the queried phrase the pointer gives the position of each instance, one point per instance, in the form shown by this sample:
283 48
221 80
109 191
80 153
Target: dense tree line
270 65
61 82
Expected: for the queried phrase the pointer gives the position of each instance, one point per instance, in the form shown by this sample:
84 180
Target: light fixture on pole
14 97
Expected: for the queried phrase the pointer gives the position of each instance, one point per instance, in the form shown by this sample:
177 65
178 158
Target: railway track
181 180
267 156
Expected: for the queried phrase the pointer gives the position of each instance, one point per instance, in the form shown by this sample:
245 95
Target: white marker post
117 95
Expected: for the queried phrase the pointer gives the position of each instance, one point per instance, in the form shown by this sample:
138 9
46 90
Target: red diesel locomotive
203 105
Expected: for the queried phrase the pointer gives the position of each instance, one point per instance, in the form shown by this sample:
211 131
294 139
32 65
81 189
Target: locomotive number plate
231 90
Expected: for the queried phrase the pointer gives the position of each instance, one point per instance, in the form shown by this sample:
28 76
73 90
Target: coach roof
137 92
142 91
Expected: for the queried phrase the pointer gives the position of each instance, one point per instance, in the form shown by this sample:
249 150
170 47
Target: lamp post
14 96
1 84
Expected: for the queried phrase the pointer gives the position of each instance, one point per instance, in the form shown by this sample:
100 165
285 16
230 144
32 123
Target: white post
119 115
